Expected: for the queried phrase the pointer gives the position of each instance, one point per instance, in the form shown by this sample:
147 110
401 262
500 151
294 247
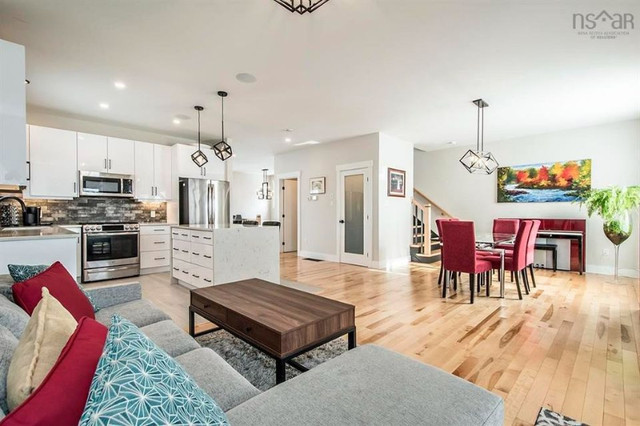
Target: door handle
341 221
74 187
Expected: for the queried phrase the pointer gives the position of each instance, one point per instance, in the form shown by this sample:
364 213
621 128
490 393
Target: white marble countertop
214 227
35 233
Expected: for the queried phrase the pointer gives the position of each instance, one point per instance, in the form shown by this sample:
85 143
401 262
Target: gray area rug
258 368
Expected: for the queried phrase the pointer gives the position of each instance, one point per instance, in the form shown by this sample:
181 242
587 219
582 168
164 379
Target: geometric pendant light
222 149
301 6
479 161
198 157
264 193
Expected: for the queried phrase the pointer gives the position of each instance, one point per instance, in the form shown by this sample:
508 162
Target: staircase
425 246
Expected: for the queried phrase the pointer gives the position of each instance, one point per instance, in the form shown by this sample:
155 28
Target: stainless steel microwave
96 184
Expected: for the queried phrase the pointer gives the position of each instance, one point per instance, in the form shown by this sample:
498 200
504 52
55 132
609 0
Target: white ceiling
409 68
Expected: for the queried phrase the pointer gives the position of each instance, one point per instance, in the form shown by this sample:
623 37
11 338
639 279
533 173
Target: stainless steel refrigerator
203 202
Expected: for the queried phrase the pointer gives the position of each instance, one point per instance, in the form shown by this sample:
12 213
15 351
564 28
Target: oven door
110 249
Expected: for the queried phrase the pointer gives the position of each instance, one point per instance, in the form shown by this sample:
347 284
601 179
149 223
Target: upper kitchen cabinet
52 163
103 154
13 151
152 171
185 167
121 156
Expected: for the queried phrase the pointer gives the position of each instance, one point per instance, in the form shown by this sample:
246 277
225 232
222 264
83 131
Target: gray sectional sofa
368 385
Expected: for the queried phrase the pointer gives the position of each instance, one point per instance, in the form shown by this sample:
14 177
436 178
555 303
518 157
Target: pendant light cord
478 130
198 130
222 119
482 129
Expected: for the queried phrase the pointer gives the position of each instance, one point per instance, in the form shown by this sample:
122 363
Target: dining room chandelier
222 149
301 6
479 161
198 157
264 193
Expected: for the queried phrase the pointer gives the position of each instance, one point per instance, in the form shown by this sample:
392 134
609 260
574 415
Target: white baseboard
318 256
609 270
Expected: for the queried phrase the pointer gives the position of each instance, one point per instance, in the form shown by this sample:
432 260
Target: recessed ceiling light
245 77
453 143
104 105
307 143
119 85
287 139
176 121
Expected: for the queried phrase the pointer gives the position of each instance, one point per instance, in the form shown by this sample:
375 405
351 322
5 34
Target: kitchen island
38 245
209 255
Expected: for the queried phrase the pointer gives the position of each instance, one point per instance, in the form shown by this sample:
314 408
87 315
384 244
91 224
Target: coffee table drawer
213 309
253 331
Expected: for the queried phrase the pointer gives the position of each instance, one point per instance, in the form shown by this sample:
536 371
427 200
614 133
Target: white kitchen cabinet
155 248
121 156
53 167
103 154
13 147
162 172
152 171
78 230
92 153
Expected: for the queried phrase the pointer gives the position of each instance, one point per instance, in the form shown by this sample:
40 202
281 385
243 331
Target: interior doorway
289 214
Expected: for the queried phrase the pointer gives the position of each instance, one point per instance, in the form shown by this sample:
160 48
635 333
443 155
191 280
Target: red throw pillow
62 395
61 285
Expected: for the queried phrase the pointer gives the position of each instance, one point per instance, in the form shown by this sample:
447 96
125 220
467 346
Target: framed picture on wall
317 185
396 182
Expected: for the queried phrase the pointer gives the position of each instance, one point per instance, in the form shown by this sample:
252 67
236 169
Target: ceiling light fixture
245 77
119 85
104 105
176 121
301 6
222 149
264 193
198 157
287 139
479 161
306 143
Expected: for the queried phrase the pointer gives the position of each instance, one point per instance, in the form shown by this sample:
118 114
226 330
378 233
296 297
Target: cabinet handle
105 164
74 187
185 272
196 276
158 242
159 230
195 254
194 236
185 235
109 164
175 249
185 251
176 269
158 258
29 172
208 257
207 280
207 238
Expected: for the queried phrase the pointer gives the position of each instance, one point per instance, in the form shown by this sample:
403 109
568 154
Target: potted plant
614 205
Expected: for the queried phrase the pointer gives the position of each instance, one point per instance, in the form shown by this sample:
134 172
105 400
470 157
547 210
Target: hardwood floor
572 345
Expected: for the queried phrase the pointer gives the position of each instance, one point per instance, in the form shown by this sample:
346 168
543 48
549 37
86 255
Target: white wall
394 213
244 200
318 219
614 149
391 215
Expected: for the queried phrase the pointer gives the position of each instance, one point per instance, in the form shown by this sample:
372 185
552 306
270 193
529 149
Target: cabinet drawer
213 309
154 242
181 250
202 237
253 331
182 271
154 259
197 276
180 234
155 230
202 254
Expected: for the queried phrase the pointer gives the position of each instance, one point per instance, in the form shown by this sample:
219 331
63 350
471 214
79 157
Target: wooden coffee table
280 321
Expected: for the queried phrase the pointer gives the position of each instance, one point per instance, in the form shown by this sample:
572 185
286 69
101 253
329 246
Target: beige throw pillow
47 331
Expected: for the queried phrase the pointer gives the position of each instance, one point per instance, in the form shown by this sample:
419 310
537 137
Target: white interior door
354 221
290 215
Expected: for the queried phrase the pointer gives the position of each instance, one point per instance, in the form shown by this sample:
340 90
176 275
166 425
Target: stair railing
421 234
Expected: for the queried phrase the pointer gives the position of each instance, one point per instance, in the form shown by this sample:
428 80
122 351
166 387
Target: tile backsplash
88 209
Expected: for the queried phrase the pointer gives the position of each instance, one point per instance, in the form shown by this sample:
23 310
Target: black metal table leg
580 255
191 323
352 339
281 375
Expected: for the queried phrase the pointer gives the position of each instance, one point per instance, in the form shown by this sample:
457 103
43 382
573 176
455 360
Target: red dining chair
459 240
531 249
439 226
517 262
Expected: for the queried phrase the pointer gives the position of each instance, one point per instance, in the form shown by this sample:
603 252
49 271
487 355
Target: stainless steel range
110 250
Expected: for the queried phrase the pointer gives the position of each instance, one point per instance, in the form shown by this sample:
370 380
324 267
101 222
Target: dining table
495 243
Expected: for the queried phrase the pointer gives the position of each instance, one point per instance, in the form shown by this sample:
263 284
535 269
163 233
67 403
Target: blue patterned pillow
137 383
21 273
